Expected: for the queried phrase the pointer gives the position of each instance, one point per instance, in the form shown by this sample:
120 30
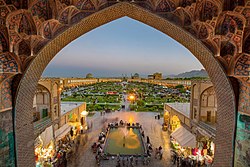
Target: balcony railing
208 127
41 125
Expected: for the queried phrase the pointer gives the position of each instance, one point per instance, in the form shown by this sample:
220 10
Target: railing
210 128
41 124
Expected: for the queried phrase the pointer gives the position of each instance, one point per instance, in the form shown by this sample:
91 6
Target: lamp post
131 98
83 116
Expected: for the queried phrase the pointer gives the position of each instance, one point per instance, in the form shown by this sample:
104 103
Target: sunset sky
123 46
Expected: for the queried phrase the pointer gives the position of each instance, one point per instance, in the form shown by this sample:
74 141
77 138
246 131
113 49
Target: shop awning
184 137
63 131
47 136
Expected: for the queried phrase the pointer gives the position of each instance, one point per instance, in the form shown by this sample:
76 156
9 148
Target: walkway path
152 127
125 102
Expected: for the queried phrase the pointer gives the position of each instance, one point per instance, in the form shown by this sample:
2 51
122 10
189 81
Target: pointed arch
223 87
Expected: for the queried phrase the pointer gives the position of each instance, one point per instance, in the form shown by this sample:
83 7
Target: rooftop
68 106
183 108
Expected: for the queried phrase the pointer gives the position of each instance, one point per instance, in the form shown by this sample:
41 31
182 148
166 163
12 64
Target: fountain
124 141
125 133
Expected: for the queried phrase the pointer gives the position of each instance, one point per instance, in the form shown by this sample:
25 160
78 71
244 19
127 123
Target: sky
122 47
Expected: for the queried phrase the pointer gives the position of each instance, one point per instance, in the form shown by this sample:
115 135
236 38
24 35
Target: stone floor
152 128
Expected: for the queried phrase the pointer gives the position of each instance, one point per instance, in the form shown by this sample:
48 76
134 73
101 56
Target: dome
89 75
136 75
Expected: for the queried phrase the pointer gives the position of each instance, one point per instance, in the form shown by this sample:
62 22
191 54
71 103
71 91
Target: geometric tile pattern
8 63
5 92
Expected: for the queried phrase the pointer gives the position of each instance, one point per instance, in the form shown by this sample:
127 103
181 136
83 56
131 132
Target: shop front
84 126
75 125
45 148
64 144
174 123
183 141
166 119
187 148
205 145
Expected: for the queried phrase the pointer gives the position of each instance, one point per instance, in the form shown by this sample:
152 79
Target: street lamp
83 120
84 113
131 97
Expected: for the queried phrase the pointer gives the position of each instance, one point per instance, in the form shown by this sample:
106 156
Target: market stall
44 148
185 146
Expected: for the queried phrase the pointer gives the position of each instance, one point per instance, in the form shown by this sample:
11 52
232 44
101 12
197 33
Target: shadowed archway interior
26 90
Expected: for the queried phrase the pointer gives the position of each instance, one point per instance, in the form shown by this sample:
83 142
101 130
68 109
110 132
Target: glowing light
84 113
131 97
131 120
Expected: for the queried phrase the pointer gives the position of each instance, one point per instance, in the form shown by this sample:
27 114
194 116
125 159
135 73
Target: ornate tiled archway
223 87
215 31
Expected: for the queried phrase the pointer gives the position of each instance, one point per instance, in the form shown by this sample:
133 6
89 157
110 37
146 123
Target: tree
179 87
140 103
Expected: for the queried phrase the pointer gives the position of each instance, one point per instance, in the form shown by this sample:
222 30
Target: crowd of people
132 160
181 161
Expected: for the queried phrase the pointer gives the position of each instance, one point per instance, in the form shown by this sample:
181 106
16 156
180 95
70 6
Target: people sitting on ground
148 141
99 151
131 158
156 152
94 145
161 152
148 153
123 161
127 161
136 159
150 147
118 157
104 156
142 134
102 137
141 127
148 160
97 158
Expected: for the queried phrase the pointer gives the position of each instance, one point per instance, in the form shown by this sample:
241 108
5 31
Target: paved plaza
84 157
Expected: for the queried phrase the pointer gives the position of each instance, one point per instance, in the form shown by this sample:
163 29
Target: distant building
155 76
150 76
73 82
89 75
202 112
135 76
203 102
46 103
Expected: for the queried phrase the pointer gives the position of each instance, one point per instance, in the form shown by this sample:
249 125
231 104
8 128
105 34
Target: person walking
156 152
